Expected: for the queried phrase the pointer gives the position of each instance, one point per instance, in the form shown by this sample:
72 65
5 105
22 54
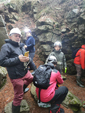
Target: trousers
60 95
18 87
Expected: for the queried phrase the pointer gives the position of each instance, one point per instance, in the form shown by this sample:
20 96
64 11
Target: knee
65 89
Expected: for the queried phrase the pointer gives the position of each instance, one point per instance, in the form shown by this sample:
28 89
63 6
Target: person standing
61 60
12 57
79 62
29 43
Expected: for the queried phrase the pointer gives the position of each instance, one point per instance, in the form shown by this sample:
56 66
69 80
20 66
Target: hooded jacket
80 57
9 58
47 94
30 42
61 60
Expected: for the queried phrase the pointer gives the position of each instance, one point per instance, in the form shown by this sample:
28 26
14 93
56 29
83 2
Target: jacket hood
83 46
57 51
50 64
11 42
14 43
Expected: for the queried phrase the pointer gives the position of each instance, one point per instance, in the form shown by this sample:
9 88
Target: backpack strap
39 94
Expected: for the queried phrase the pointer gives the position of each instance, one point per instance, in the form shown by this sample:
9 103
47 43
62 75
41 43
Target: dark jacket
61 60
30 42
9 58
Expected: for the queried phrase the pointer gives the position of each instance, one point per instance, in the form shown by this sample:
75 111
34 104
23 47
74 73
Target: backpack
74 53
42 76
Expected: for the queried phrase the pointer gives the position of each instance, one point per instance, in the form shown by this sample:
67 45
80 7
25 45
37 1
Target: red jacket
80 57
47 94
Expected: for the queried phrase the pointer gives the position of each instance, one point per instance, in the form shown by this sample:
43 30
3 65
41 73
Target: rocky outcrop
3 73
24 108
3 31
58 22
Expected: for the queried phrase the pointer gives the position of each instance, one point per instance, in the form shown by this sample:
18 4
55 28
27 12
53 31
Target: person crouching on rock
53 94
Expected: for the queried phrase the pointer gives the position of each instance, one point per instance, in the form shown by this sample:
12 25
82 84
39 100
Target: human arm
59 78
5 57
32 65
64 63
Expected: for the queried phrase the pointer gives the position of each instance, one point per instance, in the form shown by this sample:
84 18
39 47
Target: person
79 62
61 60
29 43
53 94
12 57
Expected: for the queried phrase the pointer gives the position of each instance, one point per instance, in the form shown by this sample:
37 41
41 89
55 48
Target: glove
65 69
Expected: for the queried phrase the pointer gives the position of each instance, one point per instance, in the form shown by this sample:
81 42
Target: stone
24 108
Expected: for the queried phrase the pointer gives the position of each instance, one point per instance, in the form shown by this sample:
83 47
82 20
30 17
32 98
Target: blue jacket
9 58
30 42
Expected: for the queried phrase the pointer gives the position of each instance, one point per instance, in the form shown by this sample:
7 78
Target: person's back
53 94
47 94
79 62
80 57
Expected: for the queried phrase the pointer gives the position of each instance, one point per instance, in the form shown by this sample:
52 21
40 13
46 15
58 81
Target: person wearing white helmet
61 60
54 94
12 57
29 43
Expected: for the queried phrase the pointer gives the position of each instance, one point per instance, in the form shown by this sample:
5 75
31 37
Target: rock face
3 32
3 74
58 22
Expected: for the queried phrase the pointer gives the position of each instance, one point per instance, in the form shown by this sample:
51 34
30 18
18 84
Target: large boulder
3 73
24 108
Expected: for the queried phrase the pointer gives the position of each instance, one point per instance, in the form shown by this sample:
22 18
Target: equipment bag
42 76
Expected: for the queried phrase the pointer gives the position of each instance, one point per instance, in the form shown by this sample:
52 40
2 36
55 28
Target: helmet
15 30
27 30
52 59
58 43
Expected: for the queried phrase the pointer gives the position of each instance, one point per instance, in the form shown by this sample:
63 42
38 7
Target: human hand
25 46
23 58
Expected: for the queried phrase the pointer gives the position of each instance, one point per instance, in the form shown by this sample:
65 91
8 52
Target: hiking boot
15 109
25 89
56 109
79 82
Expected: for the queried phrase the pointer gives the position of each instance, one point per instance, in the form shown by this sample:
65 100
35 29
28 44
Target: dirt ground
7 94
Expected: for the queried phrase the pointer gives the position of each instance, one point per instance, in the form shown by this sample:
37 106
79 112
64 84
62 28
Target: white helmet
27 30
58 43
52 59
15 30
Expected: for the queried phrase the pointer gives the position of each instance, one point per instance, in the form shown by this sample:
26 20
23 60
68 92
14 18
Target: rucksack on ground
42 76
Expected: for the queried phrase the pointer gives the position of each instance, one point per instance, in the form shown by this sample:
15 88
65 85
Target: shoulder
55 70
62 52
6 45
52 53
